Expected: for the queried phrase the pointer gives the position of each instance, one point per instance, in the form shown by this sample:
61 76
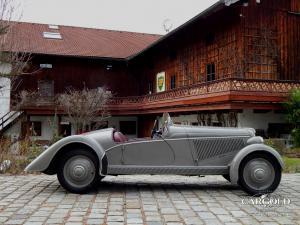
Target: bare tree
13 61
85 106
24 98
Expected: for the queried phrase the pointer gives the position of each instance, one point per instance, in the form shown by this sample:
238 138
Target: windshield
166 120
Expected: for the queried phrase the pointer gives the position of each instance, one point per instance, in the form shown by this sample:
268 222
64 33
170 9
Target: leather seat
119 137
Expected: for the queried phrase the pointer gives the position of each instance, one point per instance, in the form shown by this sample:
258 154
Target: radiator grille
208 148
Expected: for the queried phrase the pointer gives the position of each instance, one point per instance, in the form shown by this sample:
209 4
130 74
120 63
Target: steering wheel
154 131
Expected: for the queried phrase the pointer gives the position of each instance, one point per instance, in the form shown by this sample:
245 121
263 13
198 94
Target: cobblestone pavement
153 200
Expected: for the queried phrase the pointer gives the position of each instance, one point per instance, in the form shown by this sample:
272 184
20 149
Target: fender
42 162
235 163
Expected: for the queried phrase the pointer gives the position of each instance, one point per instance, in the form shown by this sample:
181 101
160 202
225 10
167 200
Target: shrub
292 107
296 137
277 144
20 154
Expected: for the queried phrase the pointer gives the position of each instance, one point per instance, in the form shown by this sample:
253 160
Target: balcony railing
201 90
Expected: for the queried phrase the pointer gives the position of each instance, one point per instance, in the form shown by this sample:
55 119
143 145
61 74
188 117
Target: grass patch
292 165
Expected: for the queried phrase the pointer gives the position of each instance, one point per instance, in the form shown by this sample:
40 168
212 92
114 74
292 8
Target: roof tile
78 41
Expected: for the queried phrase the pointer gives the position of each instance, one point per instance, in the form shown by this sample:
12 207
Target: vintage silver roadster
80 161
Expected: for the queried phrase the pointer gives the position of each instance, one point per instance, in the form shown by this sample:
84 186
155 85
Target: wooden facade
67 72
246 55
249 41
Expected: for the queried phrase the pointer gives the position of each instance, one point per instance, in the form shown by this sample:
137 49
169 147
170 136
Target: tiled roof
79 41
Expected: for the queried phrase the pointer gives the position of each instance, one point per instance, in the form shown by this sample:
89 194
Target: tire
82 162
99 179
259 174
227 177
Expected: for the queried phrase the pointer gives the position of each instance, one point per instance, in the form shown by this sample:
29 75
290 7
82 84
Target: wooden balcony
216 95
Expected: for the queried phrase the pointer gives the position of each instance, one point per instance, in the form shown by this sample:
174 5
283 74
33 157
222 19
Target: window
52 35
210 72
46 88
65 129
173 82
128 127
36 128
55 27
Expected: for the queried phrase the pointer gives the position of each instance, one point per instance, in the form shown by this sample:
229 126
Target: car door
154 152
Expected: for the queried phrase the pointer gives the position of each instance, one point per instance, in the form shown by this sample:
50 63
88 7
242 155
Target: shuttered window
211 72
46 88
173 82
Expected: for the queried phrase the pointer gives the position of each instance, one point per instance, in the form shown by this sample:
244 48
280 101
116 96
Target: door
149 153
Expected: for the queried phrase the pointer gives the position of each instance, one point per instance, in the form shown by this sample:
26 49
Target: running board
179 170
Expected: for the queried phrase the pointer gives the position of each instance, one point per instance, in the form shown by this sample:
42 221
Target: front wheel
78 171
259 174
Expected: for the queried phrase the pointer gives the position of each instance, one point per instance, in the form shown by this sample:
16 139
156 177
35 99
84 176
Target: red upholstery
119 137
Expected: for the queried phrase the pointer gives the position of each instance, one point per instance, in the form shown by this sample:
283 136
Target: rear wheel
78 171
259 174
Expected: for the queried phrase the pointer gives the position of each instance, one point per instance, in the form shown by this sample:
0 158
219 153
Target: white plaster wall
190 119
14 131
245 119
259 120
4 96
47 131
112 122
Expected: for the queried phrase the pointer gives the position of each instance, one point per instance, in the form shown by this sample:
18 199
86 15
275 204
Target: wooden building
231 65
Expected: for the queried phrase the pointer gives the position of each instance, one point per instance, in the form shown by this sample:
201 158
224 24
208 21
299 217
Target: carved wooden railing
201 89
279 88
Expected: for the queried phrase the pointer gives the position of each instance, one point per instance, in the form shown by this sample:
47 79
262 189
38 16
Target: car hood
179 131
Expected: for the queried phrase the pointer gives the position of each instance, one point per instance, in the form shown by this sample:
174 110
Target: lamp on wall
108 67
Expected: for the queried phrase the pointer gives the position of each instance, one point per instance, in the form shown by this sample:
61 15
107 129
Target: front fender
235 163
42 162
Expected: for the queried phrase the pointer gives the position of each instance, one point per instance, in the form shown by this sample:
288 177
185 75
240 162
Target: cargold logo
267 200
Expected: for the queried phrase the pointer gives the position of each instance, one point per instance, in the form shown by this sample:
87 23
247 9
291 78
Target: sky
146 16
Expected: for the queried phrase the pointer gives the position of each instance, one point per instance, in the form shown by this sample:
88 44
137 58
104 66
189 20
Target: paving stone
14 222
134 220
171 218
115 218
141 199
37 219
154 223
206 215
94 221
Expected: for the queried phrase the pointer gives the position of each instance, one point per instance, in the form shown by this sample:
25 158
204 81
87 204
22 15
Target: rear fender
42 162
235 163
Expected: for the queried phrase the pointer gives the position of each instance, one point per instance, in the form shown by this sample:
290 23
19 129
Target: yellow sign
161 82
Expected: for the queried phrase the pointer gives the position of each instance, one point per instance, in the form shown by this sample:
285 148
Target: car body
236 153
